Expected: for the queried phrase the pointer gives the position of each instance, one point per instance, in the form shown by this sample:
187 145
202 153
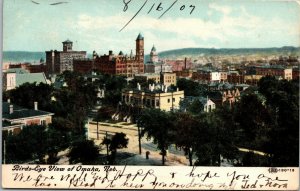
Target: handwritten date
159 7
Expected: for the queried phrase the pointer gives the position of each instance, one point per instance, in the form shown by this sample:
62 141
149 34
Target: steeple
131 54
153 55
140 37
153 49
140 48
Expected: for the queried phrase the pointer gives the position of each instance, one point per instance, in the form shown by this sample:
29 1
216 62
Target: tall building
153 55
154 65
140 48
120 64
59 61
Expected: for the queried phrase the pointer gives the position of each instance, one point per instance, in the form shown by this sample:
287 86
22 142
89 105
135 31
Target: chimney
11 109
35 105
185 63
138 86
8 100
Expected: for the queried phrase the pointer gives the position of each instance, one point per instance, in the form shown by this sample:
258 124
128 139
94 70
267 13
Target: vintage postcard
150 94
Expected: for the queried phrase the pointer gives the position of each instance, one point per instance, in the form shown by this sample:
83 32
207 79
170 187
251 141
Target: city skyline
39 26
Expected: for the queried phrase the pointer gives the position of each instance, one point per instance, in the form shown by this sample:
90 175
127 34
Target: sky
95 24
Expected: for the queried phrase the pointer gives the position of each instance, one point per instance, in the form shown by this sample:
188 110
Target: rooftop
67 41
17 71
30 78
153 49
19 112
140 37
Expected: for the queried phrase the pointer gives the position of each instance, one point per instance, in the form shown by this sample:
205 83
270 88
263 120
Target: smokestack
11 109
185 63
35 105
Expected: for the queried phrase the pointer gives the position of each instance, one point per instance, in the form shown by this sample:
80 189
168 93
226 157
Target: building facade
60 61
166 79
120 64
153 98
15 117
277 71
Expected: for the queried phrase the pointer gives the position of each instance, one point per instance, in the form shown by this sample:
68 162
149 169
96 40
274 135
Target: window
173 99
168 100
157 103
43 122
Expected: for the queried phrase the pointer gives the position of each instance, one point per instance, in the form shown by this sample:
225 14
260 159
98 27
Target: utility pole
140 147
97 129
106 146
139 132
4 151
172 101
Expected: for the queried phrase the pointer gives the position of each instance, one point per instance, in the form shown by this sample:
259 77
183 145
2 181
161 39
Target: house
159 97
12 78
230 96
15 117
207 104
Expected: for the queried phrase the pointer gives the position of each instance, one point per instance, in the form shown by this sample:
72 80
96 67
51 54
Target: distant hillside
196 52
25 56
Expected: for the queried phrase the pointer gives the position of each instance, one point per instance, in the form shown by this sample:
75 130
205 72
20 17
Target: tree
252 117
185 133
28 93
23 146
191 88
283 104
157 124
118 141
83 151
196 107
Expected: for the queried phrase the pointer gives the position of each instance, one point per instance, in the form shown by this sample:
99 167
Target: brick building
296 74
115 64
59 61
179 65
83 65
207 76
277 71
15 117
31 68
